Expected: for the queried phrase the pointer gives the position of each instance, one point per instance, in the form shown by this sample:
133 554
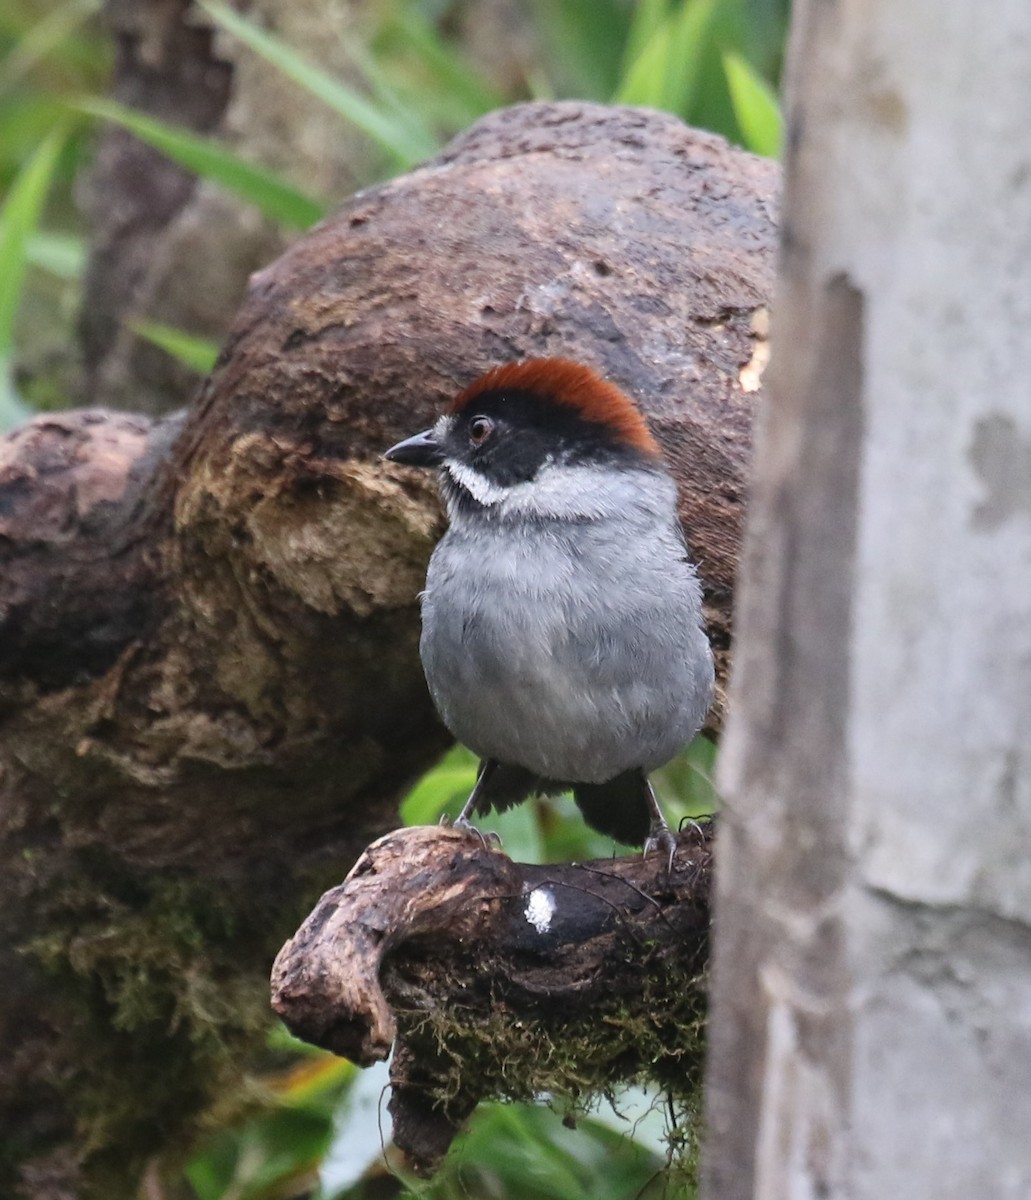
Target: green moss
164 1001
490 1052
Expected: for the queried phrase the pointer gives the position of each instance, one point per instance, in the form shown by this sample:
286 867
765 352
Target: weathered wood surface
209 682
871 1031
495 978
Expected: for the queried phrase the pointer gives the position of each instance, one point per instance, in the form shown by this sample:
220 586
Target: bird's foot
661 837
490 840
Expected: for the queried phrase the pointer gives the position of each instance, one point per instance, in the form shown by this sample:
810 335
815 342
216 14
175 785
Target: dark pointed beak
421 450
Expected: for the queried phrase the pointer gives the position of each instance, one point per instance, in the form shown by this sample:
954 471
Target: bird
563 639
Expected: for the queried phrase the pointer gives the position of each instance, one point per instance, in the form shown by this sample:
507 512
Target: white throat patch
478 486
557 490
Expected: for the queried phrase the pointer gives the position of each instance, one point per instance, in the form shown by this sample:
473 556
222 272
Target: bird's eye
480 428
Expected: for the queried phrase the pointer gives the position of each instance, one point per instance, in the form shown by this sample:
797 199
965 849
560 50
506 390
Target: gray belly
557 678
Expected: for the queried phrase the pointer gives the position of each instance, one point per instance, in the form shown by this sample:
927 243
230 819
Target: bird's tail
619 808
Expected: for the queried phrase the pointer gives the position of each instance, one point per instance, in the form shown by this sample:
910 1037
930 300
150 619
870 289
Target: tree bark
165 65
871 1034
209 684
490 978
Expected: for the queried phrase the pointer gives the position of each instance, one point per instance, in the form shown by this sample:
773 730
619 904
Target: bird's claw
490 840
695 823
661 837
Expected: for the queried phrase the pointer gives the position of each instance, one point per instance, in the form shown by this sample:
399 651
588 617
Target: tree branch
494 978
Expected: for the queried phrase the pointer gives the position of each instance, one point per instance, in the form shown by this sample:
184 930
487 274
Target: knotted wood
495 978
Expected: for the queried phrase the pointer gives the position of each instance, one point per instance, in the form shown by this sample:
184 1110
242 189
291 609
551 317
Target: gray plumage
568 640
562 619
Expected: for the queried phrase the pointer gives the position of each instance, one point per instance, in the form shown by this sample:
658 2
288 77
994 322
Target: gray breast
573 650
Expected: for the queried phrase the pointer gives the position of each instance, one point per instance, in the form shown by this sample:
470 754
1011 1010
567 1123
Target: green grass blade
392 105
19 217
456 79
196 352
689 36
61 254
642 83
267 192
41 40
404 141
649 17
18 220
755 106
666 72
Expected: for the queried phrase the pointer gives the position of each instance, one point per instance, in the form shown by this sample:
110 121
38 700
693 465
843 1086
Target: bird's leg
487 769
660 836
462 821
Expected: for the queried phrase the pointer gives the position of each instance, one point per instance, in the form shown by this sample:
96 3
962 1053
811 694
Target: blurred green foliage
521 1152
321 1108
276 1151
196 352
715 63
19 218
712 62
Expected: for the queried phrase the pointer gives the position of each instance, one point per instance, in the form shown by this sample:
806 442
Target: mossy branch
497 979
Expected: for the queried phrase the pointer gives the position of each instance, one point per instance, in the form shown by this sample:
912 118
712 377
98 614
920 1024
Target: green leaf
267 192
755 106
443 789
666 72
454 81
648 19
18 220
62 254
689 35
519 830
405 140
41 40
643 80
196 352
524 1151
685 786
274 1155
